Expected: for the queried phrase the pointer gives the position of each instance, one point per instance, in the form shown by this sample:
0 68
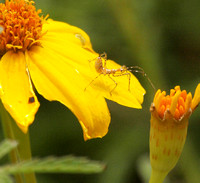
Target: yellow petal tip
196 99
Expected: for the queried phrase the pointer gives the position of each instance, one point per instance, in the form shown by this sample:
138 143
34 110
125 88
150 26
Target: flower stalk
22 151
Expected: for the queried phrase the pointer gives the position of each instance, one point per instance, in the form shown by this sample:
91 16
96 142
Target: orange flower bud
168 131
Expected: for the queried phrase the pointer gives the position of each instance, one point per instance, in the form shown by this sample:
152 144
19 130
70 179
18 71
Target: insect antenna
141 70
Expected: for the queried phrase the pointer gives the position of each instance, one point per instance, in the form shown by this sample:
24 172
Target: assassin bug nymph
100 67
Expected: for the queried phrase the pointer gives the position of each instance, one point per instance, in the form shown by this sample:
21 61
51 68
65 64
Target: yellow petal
117 88
56 79
16 90
104 84
61 39
65 42
188 102
69 33
196 98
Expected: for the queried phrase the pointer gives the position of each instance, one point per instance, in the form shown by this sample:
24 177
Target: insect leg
114 82
93 59
92 82
129 78
140 70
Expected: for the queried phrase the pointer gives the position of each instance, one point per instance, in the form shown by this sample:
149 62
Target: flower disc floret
22 25
175 103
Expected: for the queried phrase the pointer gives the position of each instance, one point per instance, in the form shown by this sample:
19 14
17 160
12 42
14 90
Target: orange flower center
166 103
21 25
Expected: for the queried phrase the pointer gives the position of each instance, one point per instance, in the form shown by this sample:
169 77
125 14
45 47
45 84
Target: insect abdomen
99 66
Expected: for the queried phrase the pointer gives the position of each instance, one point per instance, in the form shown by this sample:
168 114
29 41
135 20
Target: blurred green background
162 37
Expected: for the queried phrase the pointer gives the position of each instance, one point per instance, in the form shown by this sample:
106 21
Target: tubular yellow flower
168 131
1 29
55 58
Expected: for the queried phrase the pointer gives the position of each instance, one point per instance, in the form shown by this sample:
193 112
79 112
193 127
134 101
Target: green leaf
6 146
67 164
6 179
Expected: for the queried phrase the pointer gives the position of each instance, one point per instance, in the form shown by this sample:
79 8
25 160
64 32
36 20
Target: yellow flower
55 58
168 131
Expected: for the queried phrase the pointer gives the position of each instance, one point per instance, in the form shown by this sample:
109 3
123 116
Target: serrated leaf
6 146
67 164
5 179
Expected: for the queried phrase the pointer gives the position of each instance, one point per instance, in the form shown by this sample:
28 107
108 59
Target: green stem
23 150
